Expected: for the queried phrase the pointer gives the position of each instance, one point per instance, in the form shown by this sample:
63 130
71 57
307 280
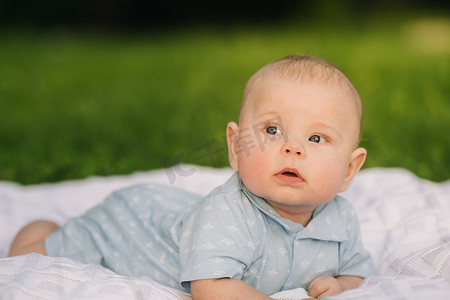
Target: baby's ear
356 162
233 143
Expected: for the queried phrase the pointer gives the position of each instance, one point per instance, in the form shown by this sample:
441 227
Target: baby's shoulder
229 191
229 201
344 209
342 203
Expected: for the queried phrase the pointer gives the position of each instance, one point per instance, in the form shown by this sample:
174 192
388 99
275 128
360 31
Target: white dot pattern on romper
230 234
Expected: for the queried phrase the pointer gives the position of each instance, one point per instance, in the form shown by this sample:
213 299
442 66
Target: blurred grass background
76 104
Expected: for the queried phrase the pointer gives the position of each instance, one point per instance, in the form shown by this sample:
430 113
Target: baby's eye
273 130
317 139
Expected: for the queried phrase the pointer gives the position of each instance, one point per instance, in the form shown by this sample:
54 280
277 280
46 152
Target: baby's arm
329 286
224 288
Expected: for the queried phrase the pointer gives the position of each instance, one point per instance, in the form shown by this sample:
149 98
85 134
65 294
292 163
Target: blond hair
305 68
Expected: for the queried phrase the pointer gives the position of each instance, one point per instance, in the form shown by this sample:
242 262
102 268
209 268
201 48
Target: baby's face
295 144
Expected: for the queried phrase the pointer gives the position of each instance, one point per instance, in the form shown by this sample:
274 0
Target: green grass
74 105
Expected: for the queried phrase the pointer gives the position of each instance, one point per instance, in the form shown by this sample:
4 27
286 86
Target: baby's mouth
290 175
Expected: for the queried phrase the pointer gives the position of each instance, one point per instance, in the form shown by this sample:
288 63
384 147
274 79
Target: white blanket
404 220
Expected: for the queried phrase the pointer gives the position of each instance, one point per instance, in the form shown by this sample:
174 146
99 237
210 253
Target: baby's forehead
260 85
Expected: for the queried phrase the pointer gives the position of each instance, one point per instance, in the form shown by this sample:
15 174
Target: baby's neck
301 215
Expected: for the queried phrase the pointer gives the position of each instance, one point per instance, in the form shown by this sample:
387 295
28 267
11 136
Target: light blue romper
174 237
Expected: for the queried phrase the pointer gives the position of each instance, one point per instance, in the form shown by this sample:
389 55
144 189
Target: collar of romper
327 223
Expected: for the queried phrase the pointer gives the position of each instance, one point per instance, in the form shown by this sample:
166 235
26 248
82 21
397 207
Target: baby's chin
292 200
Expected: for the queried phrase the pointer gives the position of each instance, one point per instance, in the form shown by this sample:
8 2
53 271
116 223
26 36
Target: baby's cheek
253 164
329 183
253 169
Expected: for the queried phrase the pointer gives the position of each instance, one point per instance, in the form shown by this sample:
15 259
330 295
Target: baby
276 224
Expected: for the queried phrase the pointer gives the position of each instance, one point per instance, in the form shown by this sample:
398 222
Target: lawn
80 104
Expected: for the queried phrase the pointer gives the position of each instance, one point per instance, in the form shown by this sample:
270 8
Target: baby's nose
293 149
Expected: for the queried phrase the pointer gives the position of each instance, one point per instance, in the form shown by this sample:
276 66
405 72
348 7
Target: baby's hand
324 286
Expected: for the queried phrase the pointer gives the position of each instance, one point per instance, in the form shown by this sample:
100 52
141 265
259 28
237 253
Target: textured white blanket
404 220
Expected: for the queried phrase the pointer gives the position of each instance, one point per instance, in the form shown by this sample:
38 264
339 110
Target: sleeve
215 241
355 260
